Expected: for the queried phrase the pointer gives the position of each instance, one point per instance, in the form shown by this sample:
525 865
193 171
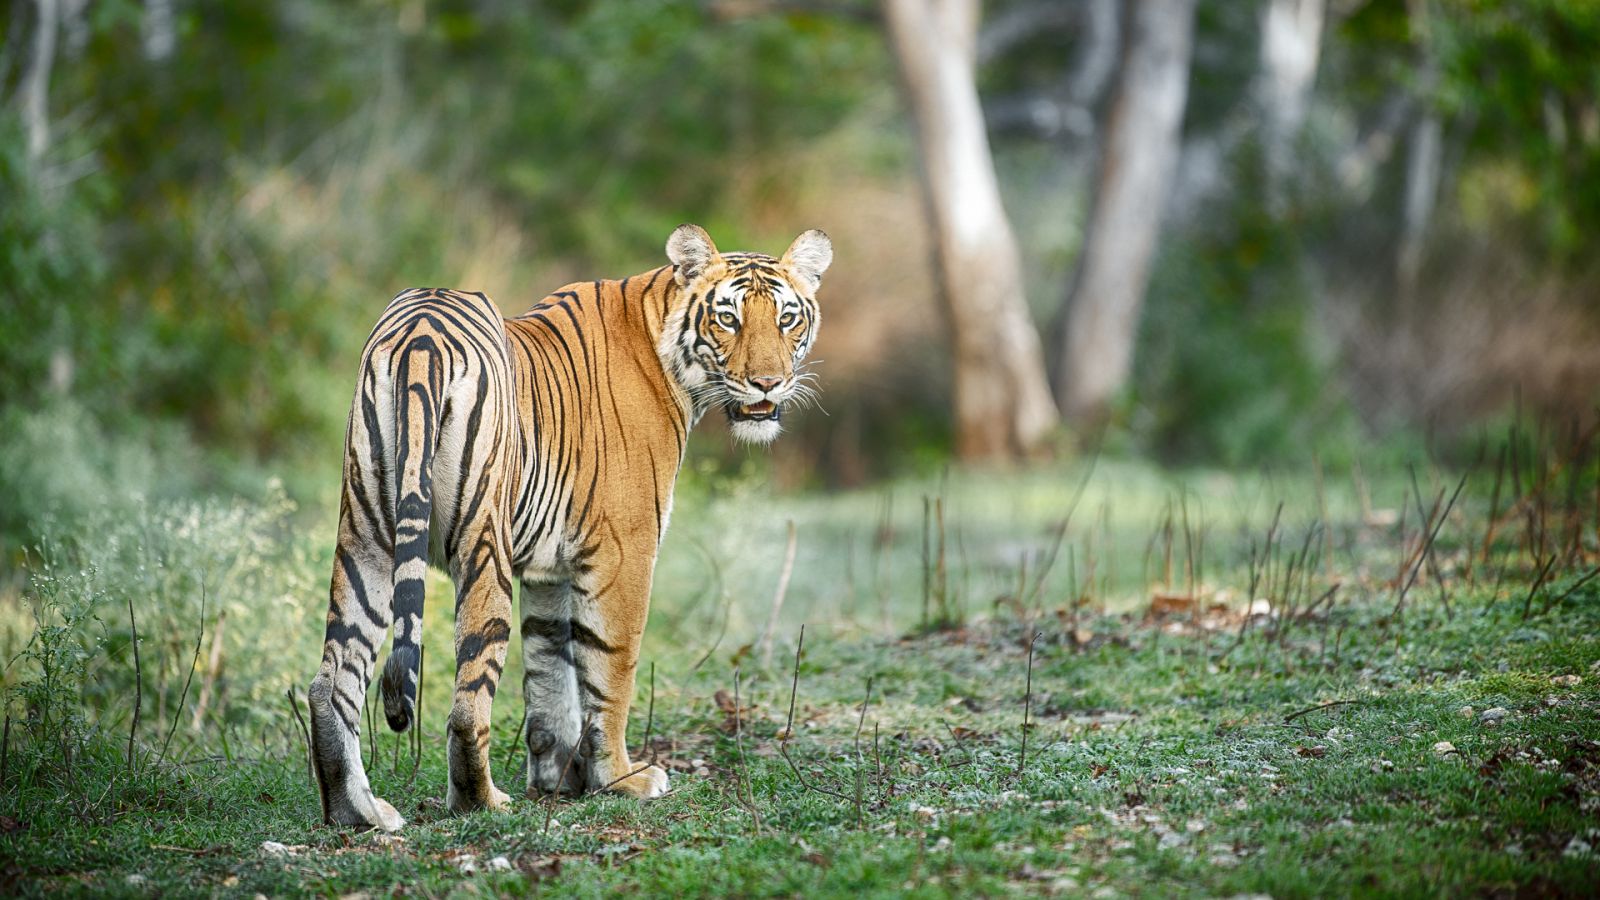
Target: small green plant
44 682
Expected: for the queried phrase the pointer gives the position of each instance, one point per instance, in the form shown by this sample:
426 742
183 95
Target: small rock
1342 822
1514 849
924 813
1173 839
499 864
1064 884
1493 716
1567 680
1444 748
1195 826
467 864
136 881
1578 848
273 848
1467 712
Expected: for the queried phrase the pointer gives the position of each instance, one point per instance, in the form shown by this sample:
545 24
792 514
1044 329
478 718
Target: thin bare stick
777 599
927 558
727 612
416 726
199 636
138 682
742 790
1544 572
861 720
1570 591
650 717
1027 708
305 732
621 778
1311 709
1430 533
788 729
213 671
1427 550
511 751
561 781
941 583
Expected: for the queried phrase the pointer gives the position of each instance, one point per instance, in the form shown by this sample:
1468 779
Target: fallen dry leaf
1163 604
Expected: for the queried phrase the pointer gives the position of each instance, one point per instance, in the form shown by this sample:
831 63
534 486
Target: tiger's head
740 339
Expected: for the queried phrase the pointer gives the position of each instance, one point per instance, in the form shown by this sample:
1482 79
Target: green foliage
631 117
1520 99
47 680
49 262
1521 77
1227 367
179 572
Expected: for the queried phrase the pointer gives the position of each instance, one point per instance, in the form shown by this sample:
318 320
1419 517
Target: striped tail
418 389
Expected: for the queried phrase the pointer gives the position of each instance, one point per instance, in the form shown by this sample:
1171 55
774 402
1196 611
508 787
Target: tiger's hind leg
358 616
550 691
483 628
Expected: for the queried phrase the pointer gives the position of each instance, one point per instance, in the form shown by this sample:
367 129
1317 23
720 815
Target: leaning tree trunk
1137 159
35 87
1291 46
1003 407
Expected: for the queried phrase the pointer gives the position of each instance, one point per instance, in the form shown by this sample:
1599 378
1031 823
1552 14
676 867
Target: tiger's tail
418 391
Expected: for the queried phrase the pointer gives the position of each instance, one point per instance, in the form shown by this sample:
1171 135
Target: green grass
1162 759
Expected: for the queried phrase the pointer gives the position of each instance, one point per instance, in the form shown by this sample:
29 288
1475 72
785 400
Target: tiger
541 449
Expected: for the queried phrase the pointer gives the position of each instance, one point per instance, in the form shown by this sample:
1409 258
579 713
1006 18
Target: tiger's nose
766 385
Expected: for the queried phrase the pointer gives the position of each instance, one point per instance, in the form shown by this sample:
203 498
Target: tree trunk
1424 159
35 87
1137 159
159 27
1291 45
1003 408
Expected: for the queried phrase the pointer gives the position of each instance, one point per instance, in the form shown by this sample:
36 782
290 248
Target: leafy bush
1228 371
207 585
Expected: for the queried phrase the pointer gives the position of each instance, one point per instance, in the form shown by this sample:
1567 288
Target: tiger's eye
728 320
786 320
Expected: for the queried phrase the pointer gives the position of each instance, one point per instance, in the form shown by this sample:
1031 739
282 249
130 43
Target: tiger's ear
810 255
691 250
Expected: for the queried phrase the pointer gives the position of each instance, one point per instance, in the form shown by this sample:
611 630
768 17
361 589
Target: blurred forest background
1230 233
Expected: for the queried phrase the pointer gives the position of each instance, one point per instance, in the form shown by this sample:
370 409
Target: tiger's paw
556 770
366 812
647 784
494 800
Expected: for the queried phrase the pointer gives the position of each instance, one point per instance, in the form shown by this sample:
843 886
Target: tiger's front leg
553 718
607 629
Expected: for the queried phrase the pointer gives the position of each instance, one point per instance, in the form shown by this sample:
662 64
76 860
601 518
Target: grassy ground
1181 746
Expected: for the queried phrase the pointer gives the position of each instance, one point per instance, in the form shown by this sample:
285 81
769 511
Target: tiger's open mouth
754 412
